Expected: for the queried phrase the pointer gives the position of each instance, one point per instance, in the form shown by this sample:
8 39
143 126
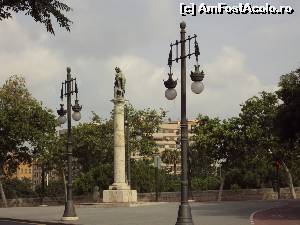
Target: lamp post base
69 213
70 218
184 215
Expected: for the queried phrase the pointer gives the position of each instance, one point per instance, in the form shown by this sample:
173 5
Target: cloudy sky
240 54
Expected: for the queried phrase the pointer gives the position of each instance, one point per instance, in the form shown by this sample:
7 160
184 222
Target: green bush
205 183
101 176
169 183
54 189
235 187
143 178
14 188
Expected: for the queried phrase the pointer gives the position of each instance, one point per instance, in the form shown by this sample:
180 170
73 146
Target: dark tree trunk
290 181
222 181
3 197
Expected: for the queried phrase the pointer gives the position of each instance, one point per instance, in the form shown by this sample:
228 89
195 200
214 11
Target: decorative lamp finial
182 25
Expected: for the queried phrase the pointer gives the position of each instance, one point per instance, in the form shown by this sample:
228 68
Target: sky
241 55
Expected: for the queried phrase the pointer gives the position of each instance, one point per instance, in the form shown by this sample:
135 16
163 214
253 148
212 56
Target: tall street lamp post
157 162
68 88
184 212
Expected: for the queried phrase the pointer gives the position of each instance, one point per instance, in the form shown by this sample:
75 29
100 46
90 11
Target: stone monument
119 191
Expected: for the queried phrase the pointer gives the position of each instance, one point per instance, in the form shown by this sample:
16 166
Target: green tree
41 11
259 116
17 188
217 143
171 156
289 111
51 157
147 121
143 178
24 126
93 145
202 146
287 122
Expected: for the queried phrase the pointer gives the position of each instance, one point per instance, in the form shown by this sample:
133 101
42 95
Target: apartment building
33 172
166 138
24 171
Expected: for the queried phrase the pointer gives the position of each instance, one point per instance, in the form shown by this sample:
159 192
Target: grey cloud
136 35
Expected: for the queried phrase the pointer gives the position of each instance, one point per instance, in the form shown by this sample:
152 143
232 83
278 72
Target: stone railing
201 196
228 195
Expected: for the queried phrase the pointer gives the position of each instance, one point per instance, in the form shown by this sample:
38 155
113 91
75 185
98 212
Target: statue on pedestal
119 191
120 80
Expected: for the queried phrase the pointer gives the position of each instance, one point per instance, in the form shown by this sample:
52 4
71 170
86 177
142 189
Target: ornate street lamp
68 88
184 211
178 143
138 134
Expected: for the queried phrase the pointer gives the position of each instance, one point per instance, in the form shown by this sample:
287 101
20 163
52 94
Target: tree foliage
289 112
171 156
147 121
93 144
25 125
40 10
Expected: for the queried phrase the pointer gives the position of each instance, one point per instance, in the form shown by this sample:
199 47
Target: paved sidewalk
286 213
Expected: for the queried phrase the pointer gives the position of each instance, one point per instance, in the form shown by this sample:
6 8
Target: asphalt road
10 223
225 213
20 222
6 222
287 214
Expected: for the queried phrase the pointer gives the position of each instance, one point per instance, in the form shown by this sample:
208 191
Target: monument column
119 146
119 191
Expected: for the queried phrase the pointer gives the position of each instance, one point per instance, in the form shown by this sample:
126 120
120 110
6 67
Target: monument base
117 196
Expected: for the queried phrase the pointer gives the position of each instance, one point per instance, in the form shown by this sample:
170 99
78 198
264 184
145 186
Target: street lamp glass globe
170 93
61 119
76 116
197 87
138 137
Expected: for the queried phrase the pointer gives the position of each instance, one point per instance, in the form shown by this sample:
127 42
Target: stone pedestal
119 191
118 196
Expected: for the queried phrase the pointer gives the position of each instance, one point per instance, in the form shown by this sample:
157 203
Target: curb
113 205
262 210
257 211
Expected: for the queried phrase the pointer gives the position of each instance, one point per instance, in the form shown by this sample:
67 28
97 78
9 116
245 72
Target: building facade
166 137
24 171
33 172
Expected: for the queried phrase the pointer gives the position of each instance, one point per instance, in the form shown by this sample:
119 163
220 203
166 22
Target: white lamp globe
170 93
138 137
61 119
197 87
76 116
